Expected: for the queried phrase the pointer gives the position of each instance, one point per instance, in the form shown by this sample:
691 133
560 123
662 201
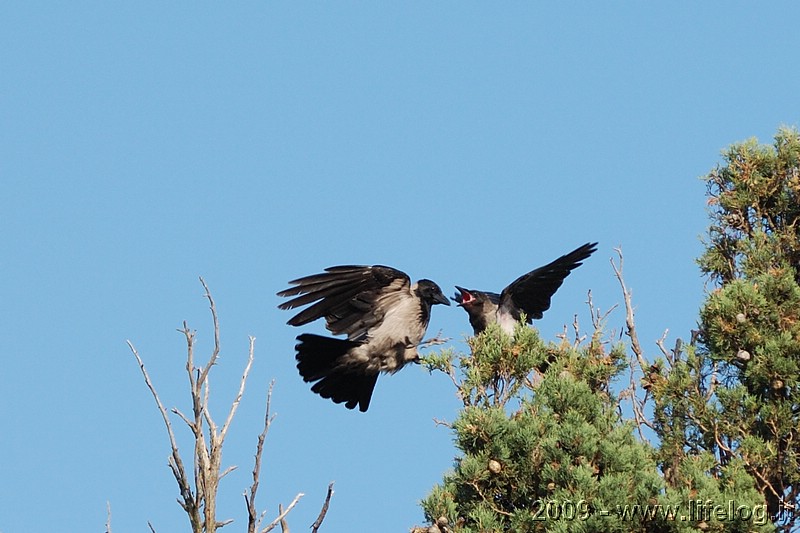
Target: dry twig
272 525
175 461
435 341
253 520
324 511
629 321
638 406
108 517
630 330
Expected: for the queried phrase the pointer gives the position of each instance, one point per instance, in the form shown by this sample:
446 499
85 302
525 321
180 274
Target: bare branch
228 471
444 423
253 521
576 327
563 335
205 410
213 359
175 462
108 517
664 351
487 500
594 313
318 522
284 523
765 483
183 417
189 334
435 341
282 515
152 529
629 321
235 404
630 329
638 406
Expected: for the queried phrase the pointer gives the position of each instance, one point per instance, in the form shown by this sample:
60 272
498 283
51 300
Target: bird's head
468 298
431 292
480 306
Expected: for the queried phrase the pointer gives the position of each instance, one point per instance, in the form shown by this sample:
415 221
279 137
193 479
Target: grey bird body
529 294
383 315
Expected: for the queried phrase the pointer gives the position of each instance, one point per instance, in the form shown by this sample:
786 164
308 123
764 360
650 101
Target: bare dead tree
198 491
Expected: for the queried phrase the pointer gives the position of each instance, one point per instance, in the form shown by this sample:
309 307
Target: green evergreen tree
750 323
542 442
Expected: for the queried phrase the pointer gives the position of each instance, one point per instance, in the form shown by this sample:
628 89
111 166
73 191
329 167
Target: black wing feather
333 278
344 296
531 292
326 306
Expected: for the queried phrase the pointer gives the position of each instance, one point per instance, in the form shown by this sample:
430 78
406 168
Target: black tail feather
319 359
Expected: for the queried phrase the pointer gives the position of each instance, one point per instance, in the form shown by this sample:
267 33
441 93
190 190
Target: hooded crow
382 313
529 294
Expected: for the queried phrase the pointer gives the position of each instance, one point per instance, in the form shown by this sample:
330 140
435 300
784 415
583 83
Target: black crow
383 315
529 294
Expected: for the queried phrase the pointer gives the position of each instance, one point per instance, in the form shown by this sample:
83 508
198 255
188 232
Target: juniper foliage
750 323
542 443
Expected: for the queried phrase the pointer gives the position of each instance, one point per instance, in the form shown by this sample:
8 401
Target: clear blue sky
145 144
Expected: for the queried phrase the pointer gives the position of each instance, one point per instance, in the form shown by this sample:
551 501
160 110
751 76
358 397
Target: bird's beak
461 295
441 299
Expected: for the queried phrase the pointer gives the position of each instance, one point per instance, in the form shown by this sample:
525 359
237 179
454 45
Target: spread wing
531 292
352 299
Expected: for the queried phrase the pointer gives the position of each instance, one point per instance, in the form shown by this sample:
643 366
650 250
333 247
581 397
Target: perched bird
529 294
383 315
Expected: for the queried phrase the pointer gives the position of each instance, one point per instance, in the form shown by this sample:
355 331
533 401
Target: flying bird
382 313
529 294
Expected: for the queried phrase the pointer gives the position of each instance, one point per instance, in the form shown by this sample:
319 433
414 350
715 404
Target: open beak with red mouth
463 297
